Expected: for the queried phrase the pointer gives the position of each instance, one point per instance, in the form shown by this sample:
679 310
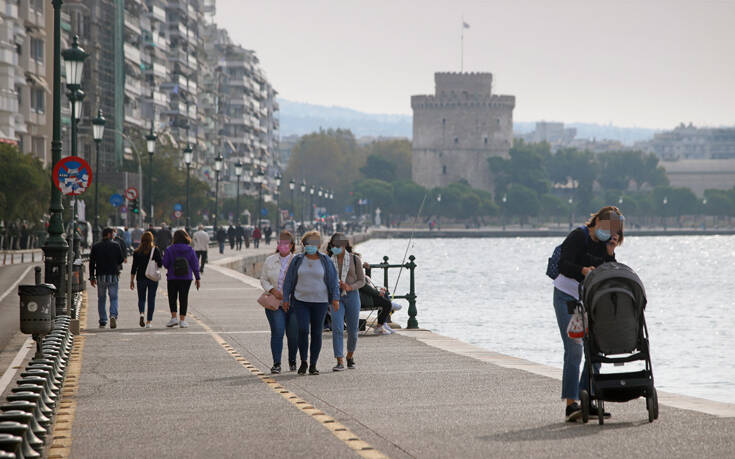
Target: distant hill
298 118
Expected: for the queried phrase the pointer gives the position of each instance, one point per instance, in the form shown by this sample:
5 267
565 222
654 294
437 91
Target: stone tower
458 128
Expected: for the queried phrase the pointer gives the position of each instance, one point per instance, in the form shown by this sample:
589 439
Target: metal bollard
10 445
34 398
18 423
24 416
36 389
39 423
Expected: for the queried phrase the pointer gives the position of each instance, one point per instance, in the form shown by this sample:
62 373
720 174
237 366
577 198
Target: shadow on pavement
559 431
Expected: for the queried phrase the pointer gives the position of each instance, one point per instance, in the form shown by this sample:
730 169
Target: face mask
336 250
602 234
310 249
284 249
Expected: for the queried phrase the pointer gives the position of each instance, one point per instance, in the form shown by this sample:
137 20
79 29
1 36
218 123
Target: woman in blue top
310 286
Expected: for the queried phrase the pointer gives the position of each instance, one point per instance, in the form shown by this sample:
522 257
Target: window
37 5
444 170
456 140
485 140
444 121
37 49
39 146
38 100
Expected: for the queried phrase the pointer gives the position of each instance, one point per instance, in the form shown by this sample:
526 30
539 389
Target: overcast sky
632 63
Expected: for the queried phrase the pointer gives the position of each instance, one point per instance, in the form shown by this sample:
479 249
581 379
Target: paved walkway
204 392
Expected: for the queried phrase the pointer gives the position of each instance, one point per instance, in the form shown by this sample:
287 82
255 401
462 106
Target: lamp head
98 126
74 62
188 154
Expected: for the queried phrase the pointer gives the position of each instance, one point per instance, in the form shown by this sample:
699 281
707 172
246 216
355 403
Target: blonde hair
146 243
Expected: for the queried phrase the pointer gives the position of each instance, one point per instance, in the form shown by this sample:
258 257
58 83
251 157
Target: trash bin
37 308
77 279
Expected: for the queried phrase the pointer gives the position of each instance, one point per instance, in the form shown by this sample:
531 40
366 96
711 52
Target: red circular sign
178 213
72 175
131 193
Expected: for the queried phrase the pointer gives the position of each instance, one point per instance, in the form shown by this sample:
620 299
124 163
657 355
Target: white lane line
245 279
15 364
224 332
15 284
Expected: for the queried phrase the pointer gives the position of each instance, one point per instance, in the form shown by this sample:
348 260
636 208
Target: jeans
571 383
310 315
147 286
348 312
222 247
178 287
280 322
107 285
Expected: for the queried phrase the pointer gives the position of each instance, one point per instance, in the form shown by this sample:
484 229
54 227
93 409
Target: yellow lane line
337 429
61 439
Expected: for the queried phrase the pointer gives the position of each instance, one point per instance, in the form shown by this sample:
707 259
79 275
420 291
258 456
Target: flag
465 25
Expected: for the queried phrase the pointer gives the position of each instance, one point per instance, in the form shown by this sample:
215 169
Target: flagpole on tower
461 44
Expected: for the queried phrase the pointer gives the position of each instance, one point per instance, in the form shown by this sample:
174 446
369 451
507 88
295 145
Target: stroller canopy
614 298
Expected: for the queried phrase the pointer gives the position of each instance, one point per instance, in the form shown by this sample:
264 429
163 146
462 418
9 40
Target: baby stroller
613 298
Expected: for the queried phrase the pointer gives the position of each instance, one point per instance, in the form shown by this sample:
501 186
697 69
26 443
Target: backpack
181 267
552 266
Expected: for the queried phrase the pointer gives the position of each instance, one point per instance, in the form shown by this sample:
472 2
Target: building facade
458 128
691 142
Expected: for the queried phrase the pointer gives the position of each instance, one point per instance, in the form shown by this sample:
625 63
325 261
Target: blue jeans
310 315
107 285
348 312
149 286
571 383
280 322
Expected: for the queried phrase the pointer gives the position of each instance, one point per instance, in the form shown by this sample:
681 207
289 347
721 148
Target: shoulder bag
151 271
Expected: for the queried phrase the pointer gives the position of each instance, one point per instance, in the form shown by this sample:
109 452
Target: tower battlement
476 83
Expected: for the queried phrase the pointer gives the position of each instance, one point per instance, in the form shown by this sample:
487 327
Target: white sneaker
184 324
380 331
387 328
173 322
148 325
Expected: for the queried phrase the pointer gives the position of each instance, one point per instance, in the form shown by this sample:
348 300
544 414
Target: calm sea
493 293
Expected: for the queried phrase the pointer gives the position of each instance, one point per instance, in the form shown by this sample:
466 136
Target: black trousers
202 254
178 288
379 301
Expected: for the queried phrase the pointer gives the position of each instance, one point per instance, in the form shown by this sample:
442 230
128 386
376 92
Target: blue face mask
336 250
602 234
310 249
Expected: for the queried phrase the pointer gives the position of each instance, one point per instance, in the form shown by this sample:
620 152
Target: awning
38 81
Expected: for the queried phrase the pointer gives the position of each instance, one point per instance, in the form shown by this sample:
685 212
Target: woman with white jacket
281 320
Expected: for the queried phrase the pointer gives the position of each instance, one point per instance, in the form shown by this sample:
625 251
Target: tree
525 166
396 152
407 198
523 202
378 167
570 164
618 169
378 193
25 186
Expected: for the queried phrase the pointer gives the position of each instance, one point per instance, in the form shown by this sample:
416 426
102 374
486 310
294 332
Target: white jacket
201 241
270 272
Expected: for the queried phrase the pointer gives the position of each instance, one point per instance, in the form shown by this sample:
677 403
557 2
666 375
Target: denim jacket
292 277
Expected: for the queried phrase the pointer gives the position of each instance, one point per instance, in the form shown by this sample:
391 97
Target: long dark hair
340 236
181 237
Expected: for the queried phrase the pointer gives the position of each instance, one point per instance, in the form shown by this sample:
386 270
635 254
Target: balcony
8 101
132 24
34 18
133 86
8 9
131 53
160 70
158 13
156 41
8 56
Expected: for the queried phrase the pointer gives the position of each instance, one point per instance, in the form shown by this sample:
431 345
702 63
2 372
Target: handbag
268 301
151 271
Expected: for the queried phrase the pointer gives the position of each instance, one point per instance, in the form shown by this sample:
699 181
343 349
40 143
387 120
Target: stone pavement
205 392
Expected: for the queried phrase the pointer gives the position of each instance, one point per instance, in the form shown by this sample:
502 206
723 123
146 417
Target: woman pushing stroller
584 249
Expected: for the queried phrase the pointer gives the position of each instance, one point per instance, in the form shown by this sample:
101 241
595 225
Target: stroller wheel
652 405
601 412
584 398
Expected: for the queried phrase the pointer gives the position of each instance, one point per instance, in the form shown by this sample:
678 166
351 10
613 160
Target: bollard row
26 416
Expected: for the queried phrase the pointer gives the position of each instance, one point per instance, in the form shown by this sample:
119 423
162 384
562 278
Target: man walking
163 237
201 245
104 260
221 237
239 233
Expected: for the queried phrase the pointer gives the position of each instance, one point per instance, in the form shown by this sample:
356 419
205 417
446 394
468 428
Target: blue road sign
116 200
264 211
178 207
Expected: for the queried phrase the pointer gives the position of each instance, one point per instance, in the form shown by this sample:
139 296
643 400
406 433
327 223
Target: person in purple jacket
180 262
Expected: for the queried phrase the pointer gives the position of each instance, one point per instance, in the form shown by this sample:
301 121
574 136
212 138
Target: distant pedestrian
128 238
310 285
180 262
351 277
282 320
247 232
123 248
221 236
256 237
104 261
146 287
584 249
136 234
268 233
201 246
163 237
231 236
239 234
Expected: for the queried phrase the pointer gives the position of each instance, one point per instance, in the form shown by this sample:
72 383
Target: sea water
494 293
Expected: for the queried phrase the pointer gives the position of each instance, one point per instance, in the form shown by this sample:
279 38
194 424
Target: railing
411 295
11 257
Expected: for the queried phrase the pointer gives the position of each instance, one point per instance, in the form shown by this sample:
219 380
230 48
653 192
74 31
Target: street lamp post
238 173
278 199
291 186
56 247
188 157
150 145
76 96
217 168
311 203
502 210
98 130
571 213
303 201
704 220
258 177
665 201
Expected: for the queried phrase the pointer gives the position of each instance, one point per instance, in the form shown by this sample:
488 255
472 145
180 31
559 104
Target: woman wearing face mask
351 277
311 284
584 249
283 320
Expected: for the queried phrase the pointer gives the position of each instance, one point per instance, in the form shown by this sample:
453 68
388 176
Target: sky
643 63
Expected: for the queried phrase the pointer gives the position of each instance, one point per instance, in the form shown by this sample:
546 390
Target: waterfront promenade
205 392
